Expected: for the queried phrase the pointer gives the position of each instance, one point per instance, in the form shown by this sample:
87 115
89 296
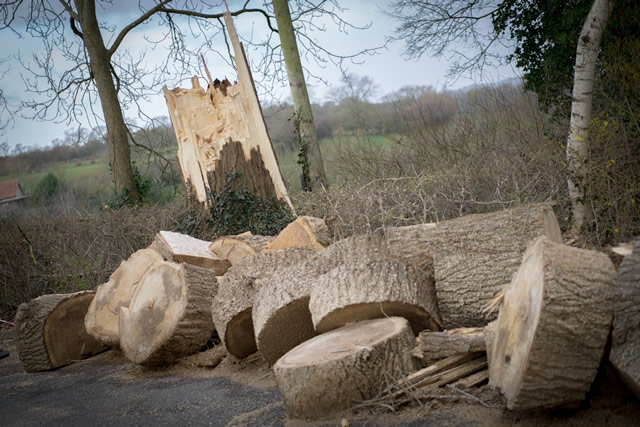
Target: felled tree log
304 232
169 314
473 257
437 345
102 319
232 305
333 371
234 248
177 247
51 331
363 289
625 349
553 326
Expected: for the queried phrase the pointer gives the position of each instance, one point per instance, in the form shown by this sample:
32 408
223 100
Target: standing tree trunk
118 136
301 103
577 143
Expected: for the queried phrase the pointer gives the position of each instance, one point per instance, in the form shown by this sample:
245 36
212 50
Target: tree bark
584 74
118 135
299 94
432 346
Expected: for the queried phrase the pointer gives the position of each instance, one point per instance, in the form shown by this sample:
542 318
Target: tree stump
102 319
169 315
625 349
473 257
234 248
176 247
304 232
336 370
553 326
51 333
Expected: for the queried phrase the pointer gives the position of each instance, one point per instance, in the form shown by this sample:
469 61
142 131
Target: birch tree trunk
301 103
577 142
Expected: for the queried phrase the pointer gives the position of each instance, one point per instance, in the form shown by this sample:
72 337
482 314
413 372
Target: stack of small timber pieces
376 318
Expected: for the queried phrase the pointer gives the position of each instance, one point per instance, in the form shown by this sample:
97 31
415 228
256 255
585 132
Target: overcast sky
388 68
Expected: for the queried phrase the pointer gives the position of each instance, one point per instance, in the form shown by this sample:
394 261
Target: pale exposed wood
446 364
473 257
625 349
169 314
336 370
553 326
473 380
177 247
51 333
234 248
304 232
437 345
102 319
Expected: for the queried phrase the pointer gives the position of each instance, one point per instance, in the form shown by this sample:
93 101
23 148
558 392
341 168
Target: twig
452 387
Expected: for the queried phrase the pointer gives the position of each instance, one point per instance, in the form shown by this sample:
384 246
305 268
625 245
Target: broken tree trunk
336 370
234 248
625 348
473 257
553 326
169 314
432 346
51 331
221 133
102 319
304 232
177 247
232 306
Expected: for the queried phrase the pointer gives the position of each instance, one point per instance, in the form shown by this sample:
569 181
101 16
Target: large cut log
432 346
177 247
336 370
234 248
473 257
233 304
365 288
169 315
51 331
553 326
221 133
102 319
625 349
304 232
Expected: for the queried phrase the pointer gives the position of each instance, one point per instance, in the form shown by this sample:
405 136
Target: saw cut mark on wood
304 232
177 247
51 333
437 345
336 370
552 327
625 348
102 319
234 248
221 132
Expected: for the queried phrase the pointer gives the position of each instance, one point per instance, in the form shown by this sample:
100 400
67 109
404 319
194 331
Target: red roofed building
12 196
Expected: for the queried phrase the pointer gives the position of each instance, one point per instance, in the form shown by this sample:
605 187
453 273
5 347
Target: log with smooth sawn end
177 247
303 232
234 248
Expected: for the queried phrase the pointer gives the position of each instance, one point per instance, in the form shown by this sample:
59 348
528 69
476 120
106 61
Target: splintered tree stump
102 319
553 326
625 349
169 315
336 370
51 331
304 232
178 247
367 289
232 306
473 257
234 248
432 346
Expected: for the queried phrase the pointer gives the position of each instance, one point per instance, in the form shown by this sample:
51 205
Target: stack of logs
338 322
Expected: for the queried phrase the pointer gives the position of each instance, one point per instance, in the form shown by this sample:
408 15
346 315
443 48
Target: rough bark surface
333 371
50 331
177 247
432 346
363 288
553 326
625 349
102 319
234 248
473 257
232 306
169 316
304 232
